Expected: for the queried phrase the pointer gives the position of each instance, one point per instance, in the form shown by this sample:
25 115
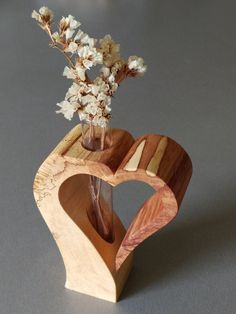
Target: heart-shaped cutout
154 159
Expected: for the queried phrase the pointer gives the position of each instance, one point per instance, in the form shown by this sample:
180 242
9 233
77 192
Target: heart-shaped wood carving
94 266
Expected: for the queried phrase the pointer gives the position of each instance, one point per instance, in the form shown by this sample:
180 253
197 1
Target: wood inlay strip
70 146
154 163
68 140
133 163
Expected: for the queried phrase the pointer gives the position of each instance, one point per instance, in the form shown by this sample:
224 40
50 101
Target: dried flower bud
136 65
44 16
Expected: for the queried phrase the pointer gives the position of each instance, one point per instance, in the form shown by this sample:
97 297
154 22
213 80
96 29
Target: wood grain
94 266
156 159
166 167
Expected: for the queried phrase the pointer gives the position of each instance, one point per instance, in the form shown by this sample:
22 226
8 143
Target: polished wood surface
94 266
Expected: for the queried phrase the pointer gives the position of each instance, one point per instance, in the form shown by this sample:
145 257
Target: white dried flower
67 109
35 15
114 87
100 121
109 75
72 22
89 41
73 91
69 33
88 63
44 16
94 89
68 25
84 39
101 96
72 47
46 11
79 35
84 88
69 73
92 108
137 64
103 86
80 70
110 50
87 99
99 112
111 78
84 116
56 36
117 66
107 101
107 110
84 52
105 71
112 83
90 56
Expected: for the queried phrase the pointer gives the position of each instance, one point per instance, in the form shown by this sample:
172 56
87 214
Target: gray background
188 94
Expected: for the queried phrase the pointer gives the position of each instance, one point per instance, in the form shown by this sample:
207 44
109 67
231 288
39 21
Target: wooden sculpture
94 266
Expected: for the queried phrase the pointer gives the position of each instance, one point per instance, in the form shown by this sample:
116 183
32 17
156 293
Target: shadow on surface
184 248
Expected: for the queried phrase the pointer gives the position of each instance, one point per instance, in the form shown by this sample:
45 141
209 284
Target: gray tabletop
188 93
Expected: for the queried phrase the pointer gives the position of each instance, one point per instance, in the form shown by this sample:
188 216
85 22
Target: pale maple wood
94 266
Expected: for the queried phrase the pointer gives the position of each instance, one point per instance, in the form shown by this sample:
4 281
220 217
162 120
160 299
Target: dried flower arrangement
91 99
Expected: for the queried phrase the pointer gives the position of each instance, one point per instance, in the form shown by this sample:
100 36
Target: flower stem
121 75
65 55
100 210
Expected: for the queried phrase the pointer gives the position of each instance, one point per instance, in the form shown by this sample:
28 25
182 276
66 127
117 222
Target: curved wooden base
94 266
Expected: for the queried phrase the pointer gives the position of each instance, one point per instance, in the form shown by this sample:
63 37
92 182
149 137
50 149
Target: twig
65 55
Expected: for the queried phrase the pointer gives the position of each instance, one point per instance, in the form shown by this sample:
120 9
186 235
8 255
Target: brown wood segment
155 213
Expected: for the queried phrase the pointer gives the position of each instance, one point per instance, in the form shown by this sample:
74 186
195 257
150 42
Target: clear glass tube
100 211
